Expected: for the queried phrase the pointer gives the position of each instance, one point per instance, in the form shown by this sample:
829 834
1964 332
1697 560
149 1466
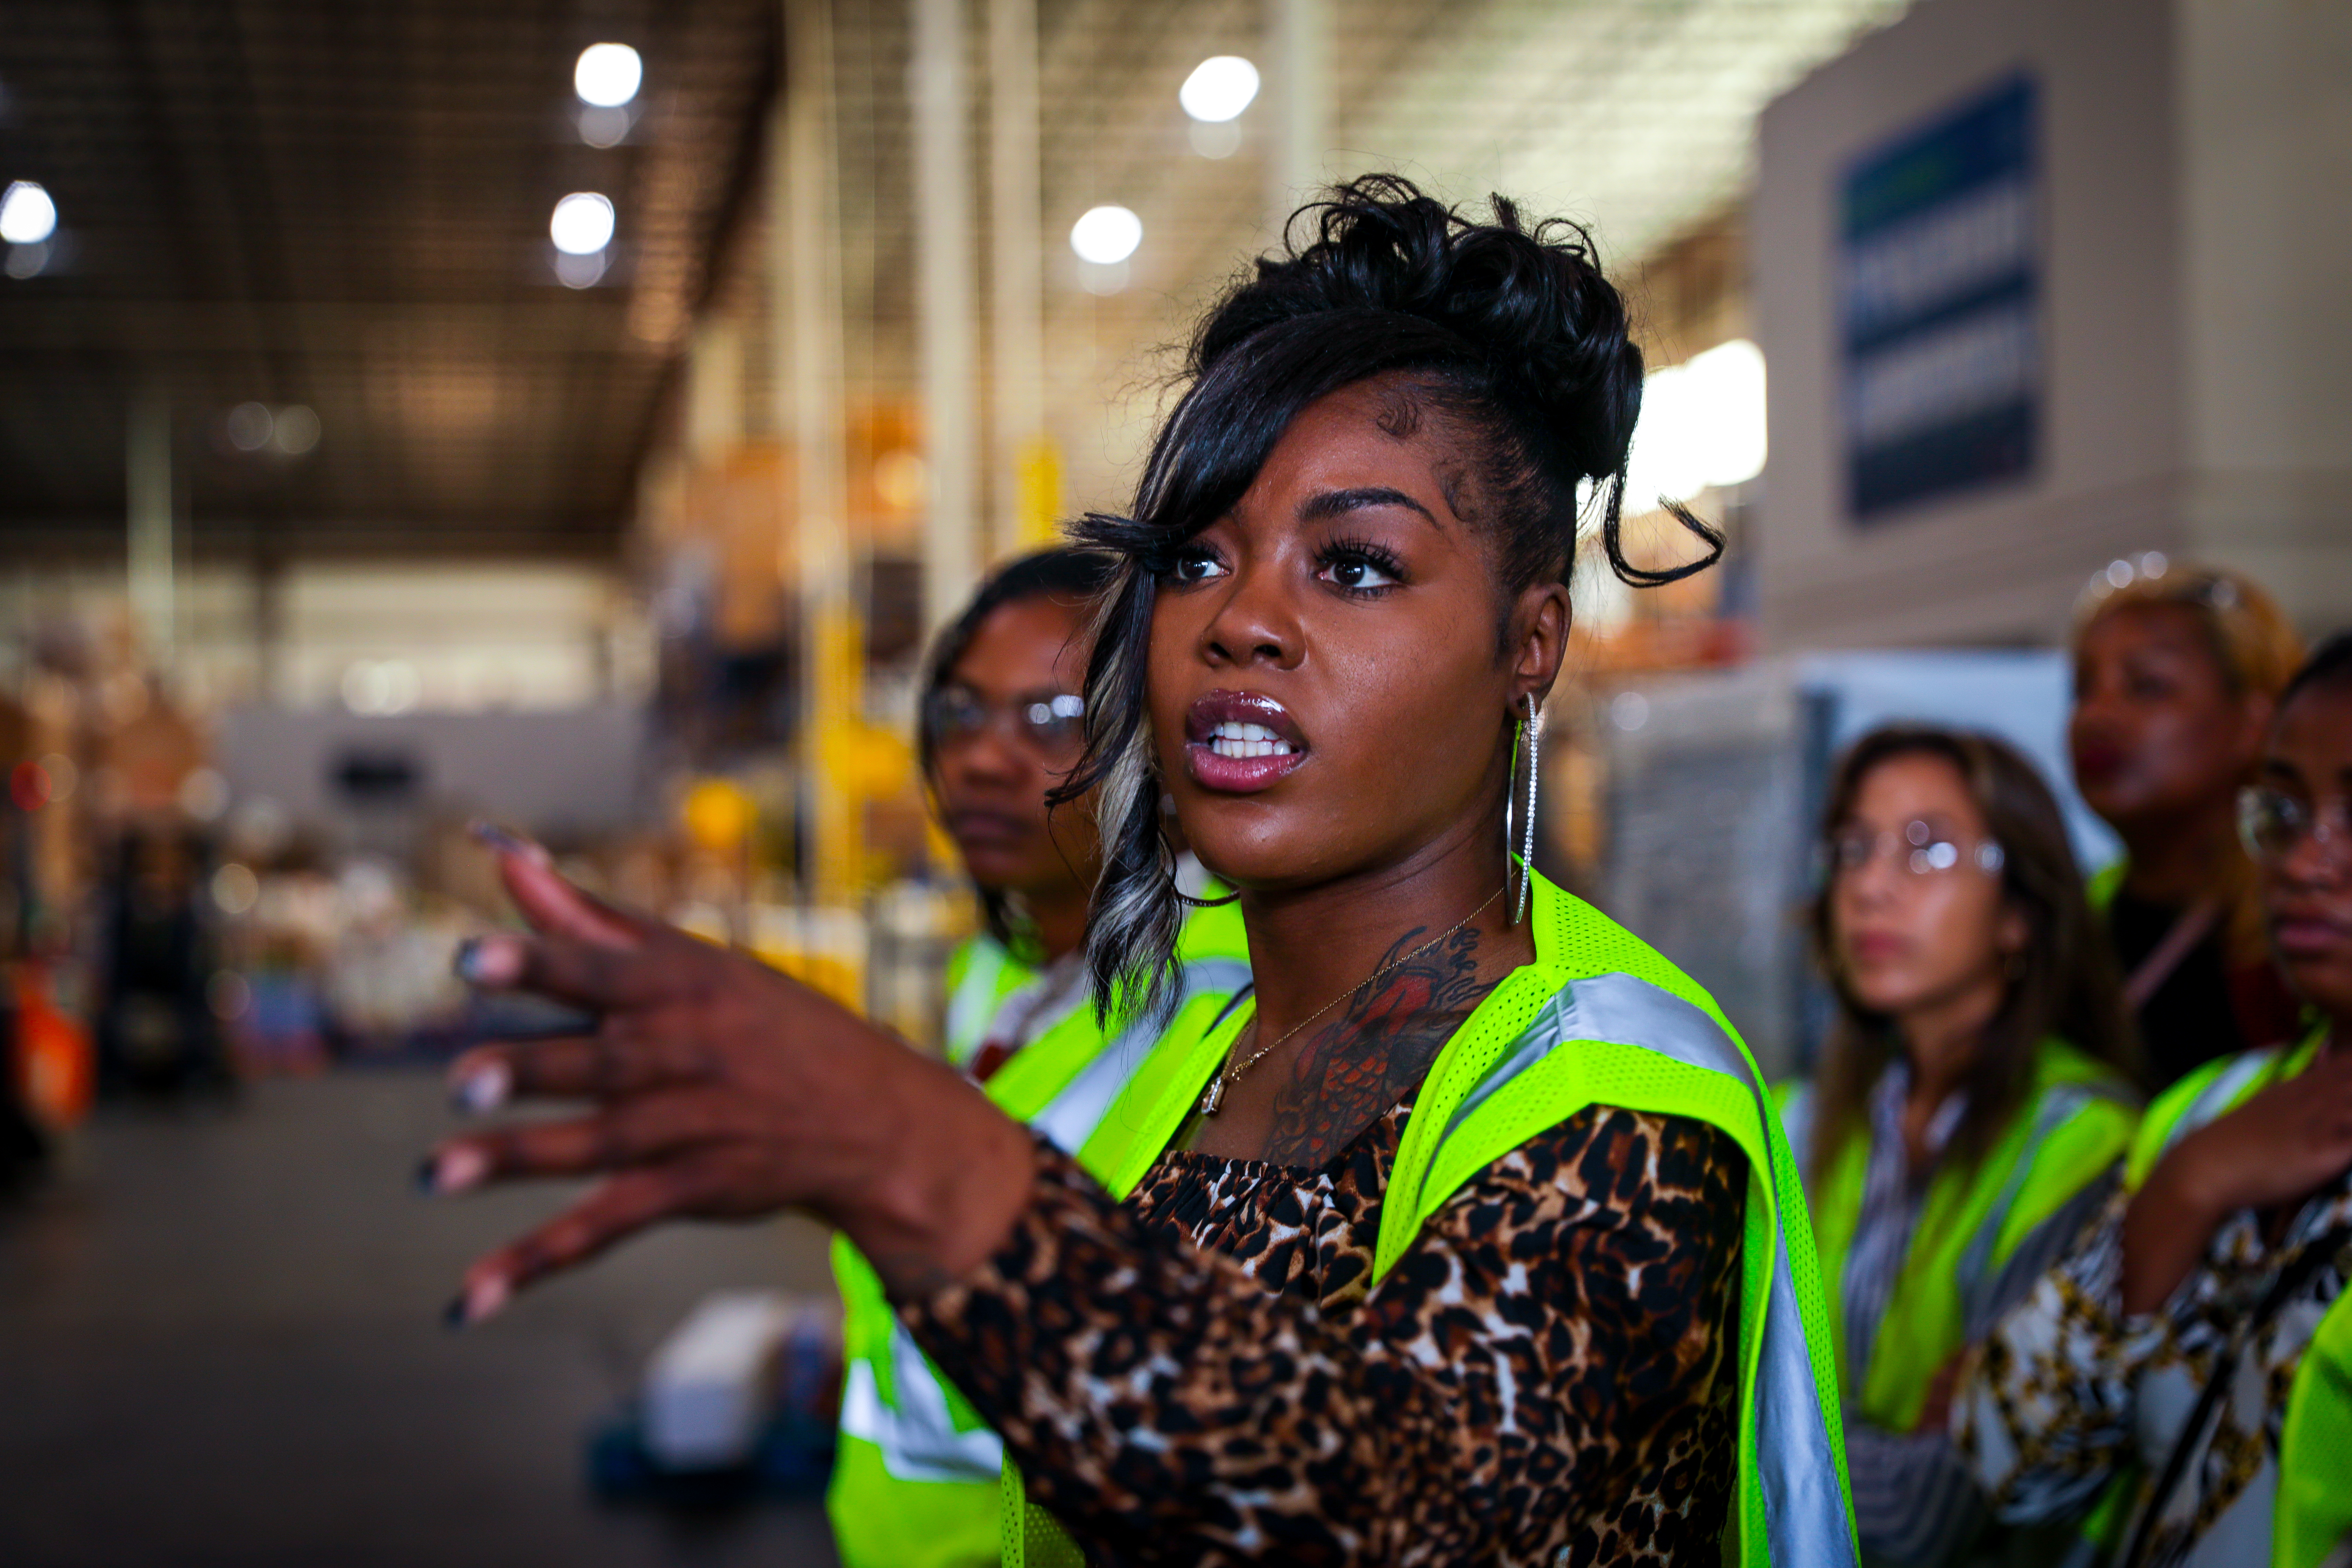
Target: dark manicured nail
499 841
452 1316
488 960
428 1174
483 1090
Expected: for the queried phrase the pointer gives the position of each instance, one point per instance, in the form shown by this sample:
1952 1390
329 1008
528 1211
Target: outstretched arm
715 1087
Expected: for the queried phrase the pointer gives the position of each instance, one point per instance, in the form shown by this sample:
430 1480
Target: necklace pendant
1215 1096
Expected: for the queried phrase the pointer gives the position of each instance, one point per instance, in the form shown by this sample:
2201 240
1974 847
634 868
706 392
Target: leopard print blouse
1208 1375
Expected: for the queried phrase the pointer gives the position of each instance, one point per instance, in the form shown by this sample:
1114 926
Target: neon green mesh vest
914 1469
2312 1515
1599 1019
2071 1128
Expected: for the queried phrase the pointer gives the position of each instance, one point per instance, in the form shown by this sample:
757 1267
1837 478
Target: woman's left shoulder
1620 1159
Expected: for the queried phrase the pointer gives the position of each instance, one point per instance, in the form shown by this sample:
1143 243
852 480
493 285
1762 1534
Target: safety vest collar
2210 1093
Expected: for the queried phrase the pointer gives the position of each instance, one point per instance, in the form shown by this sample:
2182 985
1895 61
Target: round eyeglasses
1052 723
1920 848
2272 822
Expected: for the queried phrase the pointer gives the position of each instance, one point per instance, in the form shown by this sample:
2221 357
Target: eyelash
1363 552
1175 563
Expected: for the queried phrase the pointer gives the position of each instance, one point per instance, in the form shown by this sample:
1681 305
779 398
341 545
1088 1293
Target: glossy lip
1239 776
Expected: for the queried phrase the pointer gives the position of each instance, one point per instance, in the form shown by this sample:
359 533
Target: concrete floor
220 1345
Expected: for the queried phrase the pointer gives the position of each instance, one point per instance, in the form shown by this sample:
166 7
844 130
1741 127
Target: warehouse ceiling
344 208
1634 116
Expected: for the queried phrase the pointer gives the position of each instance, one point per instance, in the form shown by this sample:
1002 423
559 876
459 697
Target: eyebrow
1336 504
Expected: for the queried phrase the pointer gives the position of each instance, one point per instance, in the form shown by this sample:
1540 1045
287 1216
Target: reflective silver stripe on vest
918 1439
974 1003
1977 1273
2214 1098
1071 1117
1804 1509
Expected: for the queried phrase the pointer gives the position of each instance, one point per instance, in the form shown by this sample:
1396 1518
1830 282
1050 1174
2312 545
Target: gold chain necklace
1232 1073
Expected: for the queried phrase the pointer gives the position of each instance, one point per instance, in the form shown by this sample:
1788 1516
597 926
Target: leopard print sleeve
1549 1375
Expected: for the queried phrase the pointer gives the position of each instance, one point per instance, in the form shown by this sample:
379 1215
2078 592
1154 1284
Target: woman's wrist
927 1211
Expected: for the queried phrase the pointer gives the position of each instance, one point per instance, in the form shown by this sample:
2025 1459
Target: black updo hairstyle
1071 578
1509 333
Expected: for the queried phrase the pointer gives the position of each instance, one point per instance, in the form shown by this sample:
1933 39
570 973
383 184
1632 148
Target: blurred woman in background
1000 723
916 1475
1971 1106
2198 1343
2175 674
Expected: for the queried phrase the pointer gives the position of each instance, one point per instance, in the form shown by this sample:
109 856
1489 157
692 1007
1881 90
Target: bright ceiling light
607 75
1106 235
1220 87
1702 425
27 215
582 223
1729 382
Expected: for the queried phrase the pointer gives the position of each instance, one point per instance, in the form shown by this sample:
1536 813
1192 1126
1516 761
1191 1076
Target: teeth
1233 739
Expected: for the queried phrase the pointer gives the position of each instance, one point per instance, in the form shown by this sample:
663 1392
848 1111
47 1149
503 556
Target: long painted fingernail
453 1170
484 1089
499 841
489 959
482 1299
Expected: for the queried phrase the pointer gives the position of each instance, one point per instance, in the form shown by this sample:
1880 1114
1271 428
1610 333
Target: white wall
2001 564
2266 168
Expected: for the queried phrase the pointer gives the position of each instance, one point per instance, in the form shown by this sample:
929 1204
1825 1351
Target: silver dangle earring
1523 842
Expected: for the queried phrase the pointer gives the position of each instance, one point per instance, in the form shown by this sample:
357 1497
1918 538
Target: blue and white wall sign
1939 305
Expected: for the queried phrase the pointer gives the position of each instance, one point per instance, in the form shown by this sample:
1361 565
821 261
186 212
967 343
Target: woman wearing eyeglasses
2175 674
1467 1236
915 1481
1971 1103
2198 1343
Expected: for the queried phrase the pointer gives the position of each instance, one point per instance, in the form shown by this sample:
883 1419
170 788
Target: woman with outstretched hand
1468 1235
2193 1357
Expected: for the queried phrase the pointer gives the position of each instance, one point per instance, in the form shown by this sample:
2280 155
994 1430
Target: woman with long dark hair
1973 1100
1468 1235
2192 1359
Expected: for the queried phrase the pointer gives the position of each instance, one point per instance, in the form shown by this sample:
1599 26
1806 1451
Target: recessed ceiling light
582 223
1219 88
1106 235
608 75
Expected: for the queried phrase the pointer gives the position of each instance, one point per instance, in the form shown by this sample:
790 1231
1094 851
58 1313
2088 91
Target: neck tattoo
1232 1072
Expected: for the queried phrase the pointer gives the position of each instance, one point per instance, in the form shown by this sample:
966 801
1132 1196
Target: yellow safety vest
2073 1127
1599 1019
2311 1517
915 1469
981 972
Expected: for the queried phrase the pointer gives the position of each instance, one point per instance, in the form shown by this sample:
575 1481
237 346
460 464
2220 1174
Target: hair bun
1532 304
